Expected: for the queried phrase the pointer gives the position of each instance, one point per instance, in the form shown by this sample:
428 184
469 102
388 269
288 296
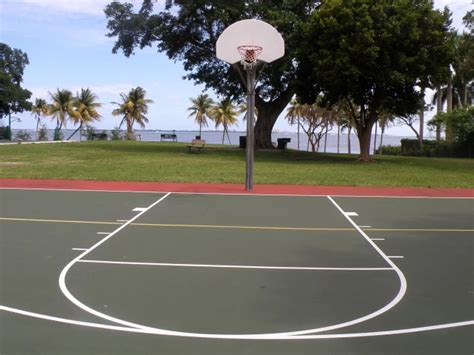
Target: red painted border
233 188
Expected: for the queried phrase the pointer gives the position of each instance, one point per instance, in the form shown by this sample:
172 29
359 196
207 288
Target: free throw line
236 266
211 226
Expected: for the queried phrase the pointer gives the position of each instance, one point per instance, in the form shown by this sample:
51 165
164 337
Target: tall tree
187 31
133 109
224 113
200 109
384 122
372 54
39 109
85 109
464 61
13 97
61 109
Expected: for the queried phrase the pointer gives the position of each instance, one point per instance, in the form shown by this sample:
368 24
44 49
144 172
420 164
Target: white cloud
92 7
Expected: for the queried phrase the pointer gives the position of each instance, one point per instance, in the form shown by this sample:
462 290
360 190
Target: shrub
43 133
5 133
102 135
90 133
116 134
443 149
58 135
22 136
390 150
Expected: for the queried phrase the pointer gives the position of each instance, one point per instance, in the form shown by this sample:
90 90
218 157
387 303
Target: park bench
98 136
196 145
168 137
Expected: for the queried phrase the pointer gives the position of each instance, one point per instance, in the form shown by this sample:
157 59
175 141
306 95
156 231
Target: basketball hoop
244 41
249 54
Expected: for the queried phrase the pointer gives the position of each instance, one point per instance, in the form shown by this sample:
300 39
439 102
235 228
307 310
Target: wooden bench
196 145
169 137
99 136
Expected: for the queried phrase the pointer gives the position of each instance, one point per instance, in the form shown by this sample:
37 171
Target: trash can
242 142
282 142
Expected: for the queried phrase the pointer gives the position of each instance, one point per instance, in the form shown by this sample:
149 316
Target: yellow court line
216 226
418 230
55 221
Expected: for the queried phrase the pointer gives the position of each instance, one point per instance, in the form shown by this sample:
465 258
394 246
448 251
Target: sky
67 48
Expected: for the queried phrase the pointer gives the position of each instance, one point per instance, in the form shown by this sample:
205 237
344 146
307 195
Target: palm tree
347 123
200 110
133 108
384 122
85 109
294 115
243 109
224 113
40 108
60 109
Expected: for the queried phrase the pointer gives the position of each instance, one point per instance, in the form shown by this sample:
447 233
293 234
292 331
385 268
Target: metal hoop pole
249 151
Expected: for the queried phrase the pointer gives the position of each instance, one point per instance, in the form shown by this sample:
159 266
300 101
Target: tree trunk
449 108
313 143
422 119
375 139
439 109
326 138
349 140
338 136
298 133
381 139
129 130
268 113
422 124
364 133
73 133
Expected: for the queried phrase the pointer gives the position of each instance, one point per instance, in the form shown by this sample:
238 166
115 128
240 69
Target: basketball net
249 55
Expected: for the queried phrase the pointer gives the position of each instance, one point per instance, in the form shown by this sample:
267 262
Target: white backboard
250 32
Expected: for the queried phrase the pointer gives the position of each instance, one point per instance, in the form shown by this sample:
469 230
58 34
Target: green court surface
85 272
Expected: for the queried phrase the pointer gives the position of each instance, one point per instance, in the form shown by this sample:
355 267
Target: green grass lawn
169 162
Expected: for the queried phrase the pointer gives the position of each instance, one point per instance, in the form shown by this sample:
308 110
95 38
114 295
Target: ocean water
215 137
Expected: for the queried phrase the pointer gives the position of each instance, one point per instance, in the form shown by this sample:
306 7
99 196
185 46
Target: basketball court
89 272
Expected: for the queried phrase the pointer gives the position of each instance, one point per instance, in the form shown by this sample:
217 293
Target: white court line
241 337
365 226
401 276
79 249
351 214
62 276
238 193
103 233
126 220
139 209
395 257
376 313
236 266
378 239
